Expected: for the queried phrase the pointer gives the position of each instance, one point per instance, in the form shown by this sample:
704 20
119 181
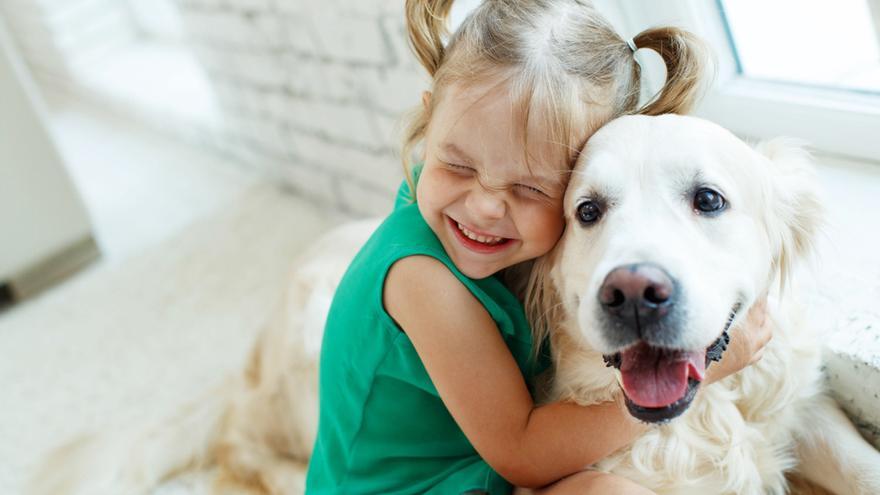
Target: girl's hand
746 343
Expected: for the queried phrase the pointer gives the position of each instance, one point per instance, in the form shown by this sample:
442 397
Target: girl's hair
560 58
562 62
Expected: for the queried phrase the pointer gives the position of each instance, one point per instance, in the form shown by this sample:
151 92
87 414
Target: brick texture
314 89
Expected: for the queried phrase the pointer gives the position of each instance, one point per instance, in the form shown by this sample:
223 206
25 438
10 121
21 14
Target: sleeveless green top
382 426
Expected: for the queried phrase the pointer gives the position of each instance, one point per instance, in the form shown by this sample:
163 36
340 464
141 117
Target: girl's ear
426 100
796 214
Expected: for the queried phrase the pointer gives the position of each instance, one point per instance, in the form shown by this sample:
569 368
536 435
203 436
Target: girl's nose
487 204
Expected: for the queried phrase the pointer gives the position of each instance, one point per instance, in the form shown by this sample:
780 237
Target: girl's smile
479 242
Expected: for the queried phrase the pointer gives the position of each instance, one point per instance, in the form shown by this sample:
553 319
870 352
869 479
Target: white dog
675 228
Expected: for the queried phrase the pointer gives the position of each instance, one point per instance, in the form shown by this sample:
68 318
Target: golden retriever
674 228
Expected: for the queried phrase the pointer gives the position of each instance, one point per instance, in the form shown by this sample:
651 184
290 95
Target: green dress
382 426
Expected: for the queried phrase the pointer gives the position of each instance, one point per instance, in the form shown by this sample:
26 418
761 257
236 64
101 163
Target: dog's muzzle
659 379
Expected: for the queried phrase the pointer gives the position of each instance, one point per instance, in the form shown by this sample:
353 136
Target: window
825 45
807 69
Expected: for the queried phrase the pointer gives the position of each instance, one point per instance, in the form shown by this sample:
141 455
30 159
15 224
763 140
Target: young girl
425 371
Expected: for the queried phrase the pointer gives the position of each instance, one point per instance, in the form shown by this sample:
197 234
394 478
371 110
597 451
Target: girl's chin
476 268
477 273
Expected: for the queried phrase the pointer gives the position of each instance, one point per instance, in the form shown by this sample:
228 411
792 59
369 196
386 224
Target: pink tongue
654 377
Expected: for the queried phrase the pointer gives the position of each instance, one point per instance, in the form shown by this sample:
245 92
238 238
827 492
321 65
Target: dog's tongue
654 377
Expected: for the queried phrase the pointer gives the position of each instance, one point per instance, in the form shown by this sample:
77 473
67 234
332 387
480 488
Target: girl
425 373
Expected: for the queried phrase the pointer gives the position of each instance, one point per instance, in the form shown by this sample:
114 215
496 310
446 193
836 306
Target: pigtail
685 57
426 24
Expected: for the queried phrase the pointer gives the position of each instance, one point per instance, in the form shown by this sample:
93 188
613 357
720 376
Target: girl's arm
481 385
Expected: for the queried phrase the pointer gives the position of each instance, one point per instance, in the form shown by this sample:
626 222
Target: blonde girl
426 373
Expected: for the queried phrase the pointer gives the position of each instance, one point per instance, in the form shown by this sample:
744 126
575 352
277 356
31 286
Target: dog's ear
795 214
542 303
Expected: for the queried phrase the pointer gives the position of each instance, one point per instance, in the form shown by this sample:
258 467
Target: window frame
752 108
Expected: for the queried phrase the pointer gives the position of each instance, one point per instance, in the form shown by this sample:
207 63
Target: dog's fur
743 434
740 435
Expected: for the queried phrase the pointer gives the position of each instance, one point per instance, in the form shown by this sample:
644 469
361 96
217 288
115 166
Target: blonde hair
557 56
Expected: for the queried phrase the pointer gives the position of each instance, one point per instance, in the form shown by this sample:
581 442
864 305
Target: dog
675 228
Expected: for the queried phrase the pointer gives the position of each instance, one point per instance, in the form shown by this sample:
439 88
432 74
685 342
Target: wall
314 91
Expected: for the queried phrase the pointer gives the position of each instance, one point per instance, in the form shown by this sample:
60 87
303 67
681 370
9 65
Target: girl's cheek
433 190
545 222
427 185
555 222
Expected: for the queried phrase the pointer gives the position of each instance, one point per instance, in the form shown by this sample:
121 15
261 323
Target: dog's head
674 228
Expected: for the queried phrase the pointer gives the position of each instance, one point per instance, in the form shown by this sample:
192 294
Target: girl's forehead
486 127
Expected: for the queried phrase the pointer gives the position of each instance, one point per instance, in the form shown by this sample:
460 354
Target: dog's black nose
638 294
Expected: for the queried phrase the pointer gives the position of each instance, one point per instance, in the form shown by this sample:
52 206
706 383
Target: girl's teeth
479 238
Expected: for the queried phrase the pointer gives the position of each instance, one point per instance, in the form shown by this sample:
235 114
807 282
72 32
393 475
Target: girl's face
488 208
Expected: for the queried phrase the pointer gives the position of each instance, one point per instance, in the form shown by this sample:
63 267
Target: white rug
135 339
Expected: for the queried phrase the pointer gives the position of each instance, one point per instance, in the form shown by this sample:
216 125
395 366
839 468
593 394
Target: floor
196 254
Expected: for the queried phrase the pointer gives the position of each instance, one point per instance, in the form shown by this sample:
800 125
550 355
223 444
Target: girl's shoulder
403 235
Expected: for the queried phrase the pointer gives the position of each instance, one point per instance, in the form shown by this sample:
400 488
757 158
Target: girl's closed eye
526 190
459 169
543 193
531 190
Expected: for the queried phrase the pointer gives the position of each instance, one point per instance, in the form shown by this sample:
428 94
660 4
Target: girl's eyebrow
455 150
553 181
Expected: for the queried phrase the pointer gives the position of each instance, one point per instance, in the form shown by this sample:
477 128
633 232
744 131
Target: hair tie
632 45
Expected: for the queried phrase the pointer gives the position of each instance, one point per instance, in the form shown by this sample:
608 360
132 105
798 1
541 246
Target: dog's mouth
659 384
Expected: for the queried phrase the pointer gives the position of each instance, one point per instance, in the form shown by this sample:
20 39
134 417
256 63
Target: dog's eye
709 201
588 212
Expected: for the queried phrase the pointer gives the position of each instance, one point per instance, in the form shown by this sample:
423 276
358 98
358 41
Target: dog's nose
640 293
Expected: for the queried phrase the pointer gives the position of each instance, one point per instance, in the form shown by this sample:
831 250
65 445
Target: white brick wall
314 89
